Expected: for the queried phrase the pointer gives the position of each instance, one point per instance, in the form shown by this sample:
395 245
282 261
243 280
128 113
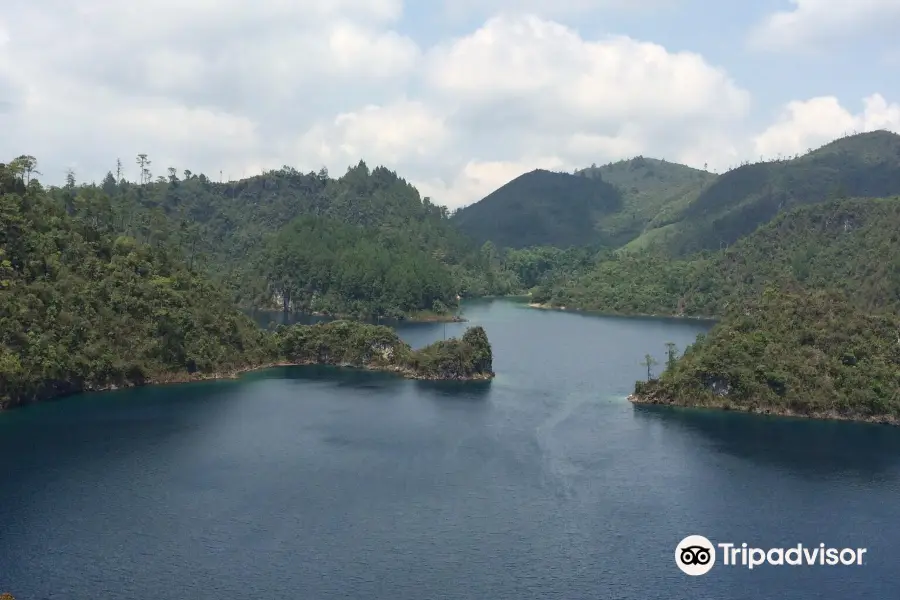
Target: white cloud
405 131
197 83
545 65
811 23
809 124
544 8
524 87
235 87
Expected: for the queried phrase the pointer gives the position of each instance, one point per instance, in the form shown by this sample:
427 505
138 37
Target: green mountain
247 234
739 201
541 208
790 353
652 190
83 307
852 246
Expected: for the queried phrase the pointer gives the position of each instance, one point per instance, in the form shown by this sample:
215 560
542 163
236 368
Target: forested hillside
739 201
81 306
541 208
790 352
852 246
323 265
248 233
84 307
605 206
652 190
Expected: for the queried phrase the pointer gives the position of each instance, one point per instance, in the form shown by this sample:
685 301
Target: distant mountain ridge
645 202
541 208
848 246
608 205
652 190
865 165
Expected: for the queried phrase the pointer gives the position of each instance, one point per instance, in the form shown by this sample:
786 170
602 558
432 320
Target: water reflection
454 390
803 446
267 318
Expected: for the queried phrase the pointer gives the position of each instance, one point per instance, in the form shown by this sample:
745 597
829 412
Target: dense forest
790 352
355 344
84 306
541 208
245 234
798 258
322 265
737 202
845 245
644 203
653 192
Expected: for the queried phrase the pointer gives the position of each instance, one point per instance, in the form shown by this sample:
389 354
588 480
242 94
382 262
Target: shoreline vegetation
545 306
343 344
418 317
725 406
85 306
797 353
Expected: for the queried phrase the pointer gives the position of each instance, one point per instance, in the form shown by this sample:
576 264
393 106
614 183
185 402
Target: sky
458 96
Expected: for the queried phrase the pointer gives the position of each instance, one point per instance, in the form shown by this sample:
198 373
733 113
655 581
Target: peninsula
338 343
791 353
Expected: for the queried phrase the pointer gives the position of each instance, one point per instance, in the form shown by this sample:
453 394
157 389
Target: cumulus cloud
200 83
400 133
237 87
813 22
555 9
809 124
544 64
525 89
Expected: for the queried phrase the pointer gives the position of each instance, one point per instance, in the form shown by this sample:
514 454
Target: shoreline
411 318
434 319
56 392
541 306
772 412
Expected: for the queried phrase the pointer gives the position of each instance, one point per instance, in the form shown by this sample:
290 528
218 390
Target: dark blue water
317 483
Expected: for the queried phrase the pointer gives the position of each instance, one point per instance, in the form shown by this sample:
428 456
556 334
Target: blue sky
458 97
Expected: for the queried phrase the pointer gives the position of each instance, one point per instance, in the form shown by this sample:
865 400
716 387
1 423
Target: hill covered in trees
541 208
246 233
790 353
616 204
84 307
652 190
852 246
645 203
865 165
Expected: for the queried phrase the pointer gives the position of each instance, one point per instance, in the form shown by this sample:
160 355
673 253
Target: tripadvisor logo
696 555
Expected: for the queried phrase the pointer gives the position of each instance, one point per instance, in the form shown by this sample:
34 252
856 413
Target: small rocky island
378 348
798 353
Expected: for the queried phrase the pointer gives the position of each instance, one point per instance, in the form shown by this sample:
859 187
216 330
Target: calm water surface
311 483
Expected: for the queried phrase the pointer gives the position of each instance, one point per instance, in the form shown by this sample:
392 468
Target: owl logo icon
695 555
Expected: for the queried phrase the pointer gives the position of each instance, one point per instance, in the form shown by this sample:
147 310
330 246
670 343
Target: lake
319 483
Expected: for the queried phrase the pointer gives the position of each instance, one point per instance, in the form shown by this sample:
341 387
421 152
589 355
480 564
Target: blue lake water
545 483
